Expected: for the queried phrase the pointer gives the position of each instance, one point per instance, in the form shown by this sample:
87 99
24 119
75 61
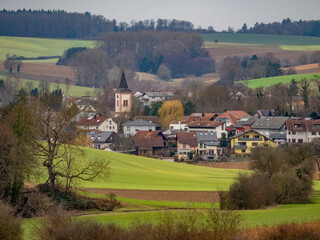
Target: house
272 127
149 143
151 119
208 145
86 109
186 142
242 143
194 117
231 117
103 140
209 126
244 124
300 131
148 98
97 123
123 97
132 127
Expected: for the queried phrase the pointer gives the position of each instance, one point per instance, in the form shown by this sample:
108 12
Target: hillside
133 172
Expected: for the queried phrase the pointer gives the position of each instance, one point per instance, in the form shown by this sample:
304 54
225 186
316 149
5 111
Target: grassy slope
133 172
261 39
35 47
266 82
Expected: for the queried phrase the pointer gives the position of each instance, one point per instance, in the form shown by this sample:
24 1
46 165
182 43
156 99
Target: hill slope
133 172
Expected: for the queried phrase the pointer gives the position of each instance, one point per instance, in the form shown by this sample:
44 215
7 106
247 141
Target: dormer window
316 125
298 125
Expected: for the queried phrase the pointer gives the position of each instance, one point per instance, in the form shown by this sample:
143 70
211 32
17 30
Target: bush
249 192
10 227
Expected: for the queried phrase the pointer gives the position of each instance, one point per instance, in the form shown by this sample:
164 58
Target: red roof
92 121
303 125
207 124
196 117
189 138
146 140
233 116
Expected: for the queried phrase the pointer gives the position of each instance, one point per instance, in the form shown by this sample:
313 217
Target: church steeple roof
123 82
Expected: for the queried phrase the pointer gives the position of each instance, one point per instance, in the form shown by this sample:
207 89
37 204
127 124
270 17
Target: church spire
123 83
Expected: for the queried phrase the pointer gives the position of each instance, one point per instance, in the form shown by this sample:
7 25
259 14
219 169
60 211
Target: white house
97 123
301 131
209 126
132 127
148 98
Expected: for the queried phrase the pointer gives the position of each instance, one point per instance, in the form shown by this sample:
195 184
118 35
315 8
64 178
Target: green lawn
261 39
267 82
133 172
35 47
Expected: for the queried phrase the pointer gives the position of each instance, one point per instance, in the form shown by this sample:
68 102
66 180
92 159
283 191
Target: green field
261 39
74 91
133 172
267 82
35 47
300 47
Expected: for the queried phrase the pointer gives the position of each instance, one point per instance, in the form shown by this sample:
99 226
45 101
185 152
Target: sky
217 13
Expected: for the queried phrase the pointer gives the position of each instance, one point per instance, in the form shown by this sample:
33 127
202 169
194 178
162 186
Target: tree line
286 27
62 24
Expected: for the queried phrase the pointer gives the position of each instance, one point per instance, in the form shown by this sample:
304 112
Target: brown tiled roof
189 138
233 116
146 140
207 124
306 125
196 117
92 121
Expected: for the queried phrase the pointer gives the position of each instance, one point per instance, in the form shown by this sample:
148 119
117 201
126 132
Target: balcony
249 139
240 146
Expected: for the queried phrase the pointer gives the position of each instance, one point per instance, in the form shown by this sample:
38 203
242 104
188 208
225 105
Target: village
197 137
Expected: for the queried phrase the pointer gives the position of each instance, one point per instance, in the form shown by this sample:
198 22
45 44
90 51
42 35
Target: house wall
120 99
249 141
207 151
132 130
302 136
178 126
183 151
107 125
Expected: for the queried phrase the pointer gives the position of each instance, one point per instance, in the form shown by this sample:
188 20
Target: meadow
135 172
35 47
267 82
261 39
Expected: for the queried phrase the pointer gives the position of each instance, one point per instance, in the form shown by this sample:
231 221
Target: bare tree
305 91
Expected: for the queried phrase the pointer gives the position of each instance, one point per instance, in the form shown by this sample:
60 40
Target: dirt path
186 196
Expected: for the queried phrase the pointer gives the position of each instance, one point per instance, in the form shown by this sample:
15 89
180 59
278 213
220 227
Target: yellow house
242 143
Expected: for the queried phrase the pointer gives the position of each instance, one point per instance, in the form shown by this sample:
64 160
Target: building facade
123 97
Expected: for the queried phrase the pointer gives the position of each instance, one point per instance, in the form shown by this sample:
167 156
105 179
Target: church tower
123 97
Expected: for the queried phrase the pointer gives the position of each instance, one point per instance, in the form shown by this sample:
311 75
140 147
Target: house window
110 122
300 140
289 133
297 125
316 125
110 127
242 143
184 145
136 130
97 127
113 127
117 96
246 136
293 141
117 103
254 144
243 150
314 133
128 129
125 103
293 133
289 140
256 136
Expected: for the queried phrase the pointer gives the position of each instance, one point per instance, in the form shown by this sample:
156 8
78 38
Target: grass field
261 39
267 82
35 47
300 47
74 91
133 172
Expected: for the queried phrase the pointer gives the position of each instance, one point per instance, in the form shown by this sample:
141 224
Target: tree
170 110
154 111
189 107
244 28
164 72
305 91
10 63
223 141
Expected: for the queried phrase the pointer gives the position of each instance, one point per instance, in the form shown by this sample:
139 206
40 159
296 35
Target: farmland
267 82
35 47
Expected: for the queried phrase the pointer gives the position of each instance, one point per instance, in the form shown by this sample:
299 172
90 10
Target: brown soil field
222 51
308 68
185 196
230 165
45 69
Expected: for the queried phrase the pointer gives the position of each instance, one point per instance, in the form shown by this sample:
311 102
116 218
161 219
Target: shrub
10 227
249 192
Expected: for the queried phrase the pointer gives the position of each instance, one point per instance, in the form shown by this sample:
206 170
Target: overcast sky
217 13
